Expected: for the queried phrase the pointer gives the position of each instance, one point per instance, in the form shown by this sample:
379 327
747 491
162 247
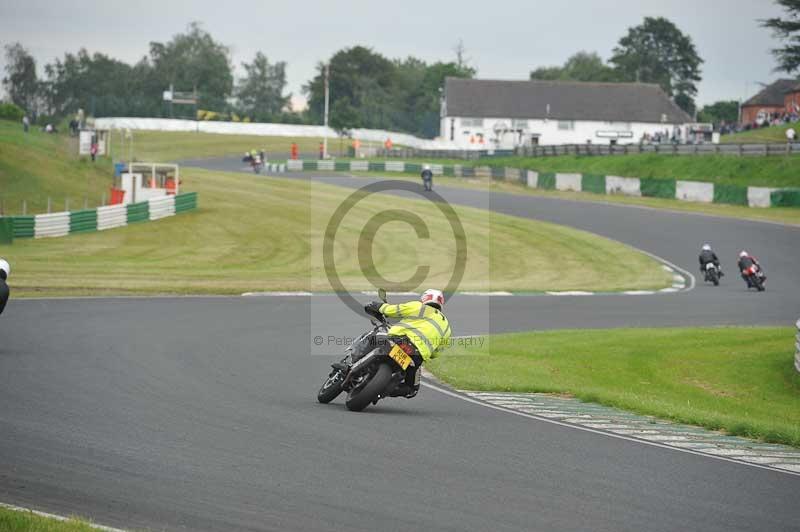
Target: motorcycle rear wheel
362 397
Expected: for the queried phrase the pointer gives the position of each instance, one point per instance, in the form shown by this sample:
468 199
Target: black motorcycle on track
712 273
372 369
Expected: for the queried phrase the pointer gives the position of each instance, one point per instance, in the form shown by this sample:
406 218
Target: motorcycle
372 369
712 273
255 163
755 278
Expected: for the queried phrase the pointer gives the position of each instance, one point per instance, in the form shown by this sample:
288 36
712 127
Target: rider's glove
373 307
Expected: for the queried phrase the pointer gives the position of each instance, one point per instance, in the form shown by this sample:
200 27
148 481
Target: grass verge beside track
773 214
737 379
257 234
25 521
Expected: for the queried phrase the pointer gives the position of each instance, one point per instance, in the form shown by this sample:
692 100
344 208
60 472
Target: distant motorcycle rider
424 328
745 261
707 256
5 271
427 177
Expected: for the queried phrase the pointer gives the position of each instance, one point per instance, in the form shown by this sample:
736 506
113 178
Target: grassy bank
772 171
255 233
25 521
38 165
166 146
741 380
764 135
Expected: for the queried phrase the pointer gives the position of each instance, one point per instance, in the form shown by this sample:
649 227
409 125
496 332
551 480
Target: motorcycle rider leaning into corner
745 261
5 271
707 255
423 328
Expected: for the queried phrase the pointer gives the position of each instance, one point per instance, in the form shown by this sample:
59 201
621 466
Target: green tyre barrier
658 188
24 226
498 173
341 166
83 221
185 202
785 197
138 212
547 181
377 167
6 230
448 171
467 171
730 194
594 183
414 168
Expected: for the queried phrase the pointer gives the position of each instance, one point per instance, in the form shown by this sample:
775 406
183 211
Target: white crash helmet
706 247
426 167
743 253
433 297
5 269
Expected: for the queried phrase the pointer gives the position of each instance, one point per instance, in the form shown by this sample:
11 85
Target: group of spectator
770 119
661 137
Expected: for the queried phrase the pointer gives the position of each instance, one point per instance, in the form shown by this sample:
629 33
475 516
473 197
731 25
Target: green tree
787 29
194 60
658 52
368 90
261 92
97 83
361 83
718 112
20 81
582 66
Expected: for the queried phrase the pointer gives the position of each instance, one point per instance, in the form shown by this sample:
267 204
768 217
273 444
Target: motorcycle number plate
399 356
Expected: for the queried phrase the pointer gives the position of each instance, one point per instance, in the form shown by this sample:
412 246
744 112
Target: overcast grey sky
504 39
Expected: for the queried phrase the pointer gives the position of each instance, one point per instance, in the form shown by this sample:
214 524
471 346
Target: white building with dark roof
505 114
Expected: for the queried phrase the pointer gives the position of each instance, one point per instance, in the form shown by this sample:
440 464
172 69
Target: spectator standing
93 149
26 123
790 135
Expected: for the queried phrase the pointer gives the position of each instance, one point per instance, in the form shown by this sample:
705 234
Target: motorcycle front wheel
331 388
359 399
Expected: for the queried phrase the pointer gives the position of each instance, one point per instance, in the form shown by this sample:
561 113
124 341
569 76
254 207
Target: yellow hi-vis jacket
426 327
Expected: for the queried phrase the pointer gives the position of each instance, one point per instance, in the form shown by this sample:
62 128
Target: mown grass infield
737 379
258 234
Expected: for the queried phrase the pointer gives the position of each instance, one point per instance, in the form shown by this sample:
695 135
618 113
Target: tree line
367 89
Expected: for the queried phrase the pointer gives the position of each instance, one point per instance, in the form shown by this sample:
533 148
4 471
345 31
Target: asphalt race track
200 413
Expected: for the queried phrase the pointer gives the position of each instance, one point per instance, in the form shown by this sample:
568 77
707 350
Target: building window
519 124
566 125
472 122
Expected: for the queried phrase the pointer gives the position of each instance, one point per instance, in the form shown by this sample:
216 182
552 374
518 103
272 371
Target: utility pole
327 100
